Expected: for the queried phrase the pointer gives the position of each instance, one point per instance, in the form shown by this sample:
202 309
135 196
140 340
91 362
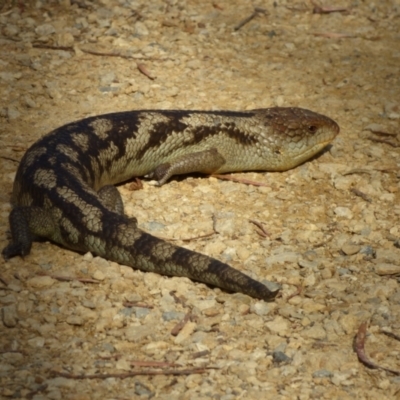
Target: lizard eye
312 128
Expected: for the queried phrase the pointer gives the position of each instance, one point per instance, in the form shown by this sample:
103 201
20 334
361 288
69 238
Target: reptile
64 186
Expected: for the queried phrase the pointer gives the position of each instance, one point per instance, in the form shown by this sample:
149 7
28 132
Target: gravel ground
333 224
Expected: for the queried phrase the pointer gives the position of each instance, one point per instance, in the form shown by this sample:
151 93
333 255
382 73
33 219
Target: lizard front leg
207 162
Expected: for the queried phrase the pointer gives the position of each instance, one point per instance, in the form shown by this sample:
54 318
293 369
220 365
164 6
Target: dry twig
263 232
358 171
334 35
392 143
3 281
360 350
379 130
137 184
361 194
297 292
318 9
390 334
239 180
154 364
206 235
13 351
38 45
178 299
17 148
129 304
200 354
39 389
70 278
131 374
112 53
143 69
178 327
257 11
10 159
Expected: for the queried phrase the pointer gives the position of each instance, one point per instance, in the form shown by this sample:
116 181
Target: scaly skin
62 190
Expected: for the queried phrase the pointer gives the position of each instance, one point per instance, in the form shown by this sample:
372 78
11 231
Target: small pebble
322 373
74 320
41 281
316 332
278 325
343 271
98 275
185 333
45 29
261 308
387 269
368 251
350 248
10 316
280 357
173 315
343 212
12 113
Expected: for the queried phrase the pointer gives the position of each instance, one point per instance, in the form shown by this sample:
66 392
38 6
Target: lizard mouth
306 155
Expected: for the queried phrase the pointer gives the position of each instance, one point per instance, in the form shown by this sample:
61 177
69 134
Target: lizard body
63 187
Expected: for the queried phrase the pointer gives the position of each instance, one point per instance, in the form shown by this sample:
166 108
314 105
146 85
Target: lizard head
294 135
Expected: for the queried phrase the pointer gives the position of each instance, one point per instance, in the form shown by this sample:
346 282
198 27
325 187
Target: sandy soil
333 223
